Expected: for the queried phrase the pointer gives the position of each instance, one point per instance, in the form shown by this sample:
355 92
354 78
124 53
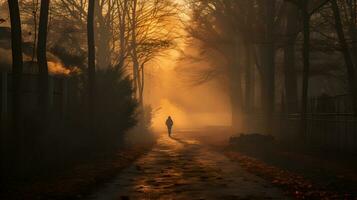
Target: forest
178 99
290 60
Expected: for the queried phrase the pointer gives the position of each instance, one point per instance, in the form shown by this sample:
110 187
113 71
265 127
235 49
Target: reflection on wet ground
181 168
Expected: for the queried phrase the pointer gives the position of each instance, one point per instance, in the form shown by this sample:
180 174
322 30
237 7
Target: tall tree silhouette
91 59
351 74
291 32
17 62
42 58
306 62
269 62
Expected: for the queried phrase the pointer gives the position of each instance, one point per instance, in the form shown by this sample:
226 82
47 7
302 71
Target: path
182 168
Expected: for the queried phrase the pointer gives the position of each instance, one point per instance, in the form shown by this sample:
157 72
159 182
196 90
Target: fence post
50 92
76 90
3 96
64 96
3 120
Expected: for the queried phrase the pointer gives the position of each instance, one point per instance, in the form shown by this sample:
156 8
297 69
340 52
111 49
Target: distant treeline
276 52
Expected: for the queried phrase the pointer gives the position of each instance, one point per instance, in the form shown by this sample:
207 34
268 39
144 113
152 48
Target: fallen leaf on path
296 185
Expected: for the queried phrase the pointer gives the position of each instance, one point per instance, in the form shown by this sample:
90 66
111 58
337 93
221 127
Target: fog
190 105
178 99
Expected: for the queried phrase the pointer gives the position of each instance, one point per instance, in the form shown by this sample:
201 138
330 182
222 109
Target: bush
61 141
142 133
115 106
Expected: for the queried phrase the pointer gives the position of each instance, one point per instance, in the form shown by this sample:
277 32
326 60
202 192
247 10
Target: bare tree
212 27
307 8
122 10
351 74
42 58
350 13
228 26
268 58
17 64
91 58
30 16
148 38
292 31
306 63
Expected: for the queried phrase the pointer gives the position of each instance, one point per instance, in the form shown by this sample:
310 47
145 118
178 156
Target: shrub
115 106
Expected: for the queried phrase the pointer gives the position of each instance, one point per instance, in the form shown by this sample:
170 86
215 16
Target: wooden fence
330 124
63 91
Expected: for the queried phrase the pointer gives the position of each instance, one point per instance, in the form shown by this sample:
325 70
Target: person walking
169 124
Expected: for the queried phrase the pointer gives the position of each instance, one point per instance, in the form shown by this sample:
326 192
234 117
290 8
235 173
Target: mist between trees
280 61
288 65
73 79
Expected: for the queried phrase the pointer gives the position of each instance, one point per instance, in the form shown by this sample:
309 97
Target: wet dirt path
182 168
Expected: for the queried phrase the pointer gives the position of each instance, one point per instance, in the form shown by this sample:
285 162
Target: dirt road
183 168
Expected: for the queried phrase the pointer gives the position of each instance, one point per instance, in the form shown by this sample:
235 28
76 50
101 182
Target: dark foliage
115 106
69 59
68 140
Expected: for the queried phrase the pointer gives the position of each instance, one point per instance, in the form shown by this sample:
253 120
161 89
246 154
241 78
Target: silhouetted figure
169 124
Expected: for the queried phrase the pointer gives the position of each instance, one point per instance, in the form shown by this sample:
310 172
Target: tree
351 18
148 38
351 74
91 59
307 8
110 27
123 9
213 28
229 26
306 63
42 58
17 67
290 72
17 64
268 60
29 15
134 54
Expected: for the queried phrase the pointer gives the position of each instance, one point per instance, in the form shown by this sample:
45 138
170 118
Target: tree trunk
35 32
347 56
91 61
17 65
289 60
352 5
103 47
235 65
102 36
142 84
353 35
136 65
122 36
16 138
306 66
236 98
248 79
269 65
42 59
